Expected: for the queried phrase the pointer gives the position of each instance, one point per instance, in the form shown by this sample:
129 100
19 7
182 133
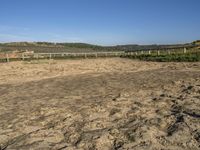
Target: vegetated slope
45 47
197 42
187 57
83 47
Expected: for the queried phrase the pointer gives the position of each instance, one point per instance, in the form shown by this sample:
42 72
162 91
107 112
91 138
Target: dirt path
99 104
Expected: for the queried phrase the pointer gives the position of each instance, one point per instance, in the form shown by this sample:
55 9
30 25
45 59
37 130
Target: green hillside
45 47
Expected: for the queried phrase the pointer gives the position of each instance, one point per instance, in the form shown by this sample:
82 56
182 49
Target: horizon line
94 44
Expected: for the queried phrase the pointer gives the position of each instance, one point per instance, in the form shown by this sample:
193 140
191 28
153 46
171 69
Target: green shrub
188 57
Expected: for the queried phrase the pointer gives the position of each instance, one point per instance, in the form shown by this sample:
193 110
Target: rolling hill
42 47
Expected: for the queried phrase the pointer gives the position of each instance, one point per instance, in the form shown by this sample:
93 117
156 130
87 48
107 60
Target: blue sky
104 22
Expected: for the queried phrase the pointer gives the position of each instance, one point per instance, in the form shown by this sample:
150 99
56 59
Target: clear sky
105 22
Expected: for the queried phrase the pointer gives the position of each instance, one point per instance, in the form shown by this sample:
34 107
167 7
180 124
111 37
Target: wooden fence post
23 56
158 52
50 56
184 50
7 58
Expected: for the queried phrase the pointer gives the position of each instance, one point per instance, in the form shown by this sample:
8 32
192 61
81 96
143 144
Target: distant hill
42 47
196 42
46 47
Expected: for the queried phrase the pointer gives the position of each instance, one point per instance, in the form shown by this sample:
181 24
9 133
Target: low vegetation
188 57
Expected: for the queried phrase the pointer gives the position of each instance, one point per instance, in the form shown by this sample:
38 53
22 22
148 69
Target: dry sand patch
99 104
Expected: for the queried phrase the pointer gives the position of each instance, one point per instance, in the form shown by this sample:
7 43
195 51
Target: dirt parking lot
99 104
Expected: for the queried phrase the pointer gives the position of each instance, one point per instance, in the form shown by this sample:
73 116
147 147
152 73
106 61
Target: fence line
29 56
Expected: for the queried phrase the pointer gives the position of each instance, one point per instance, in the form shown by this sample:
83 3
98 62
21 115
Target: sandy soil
99 104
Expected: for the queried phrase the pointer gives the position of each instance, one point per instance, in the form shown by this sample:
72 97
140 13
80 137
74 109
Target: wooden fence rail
30 56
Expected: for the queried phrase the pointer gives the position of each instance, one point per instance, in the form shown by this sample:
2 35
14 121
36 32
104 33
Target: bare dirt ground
99 104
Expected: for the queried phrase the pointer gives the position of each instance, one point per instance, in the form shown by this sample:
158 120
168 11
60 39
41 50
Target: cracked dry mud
99 104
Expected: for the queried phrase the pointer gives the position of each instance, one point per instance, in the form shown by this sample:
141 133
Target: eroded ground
102 104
